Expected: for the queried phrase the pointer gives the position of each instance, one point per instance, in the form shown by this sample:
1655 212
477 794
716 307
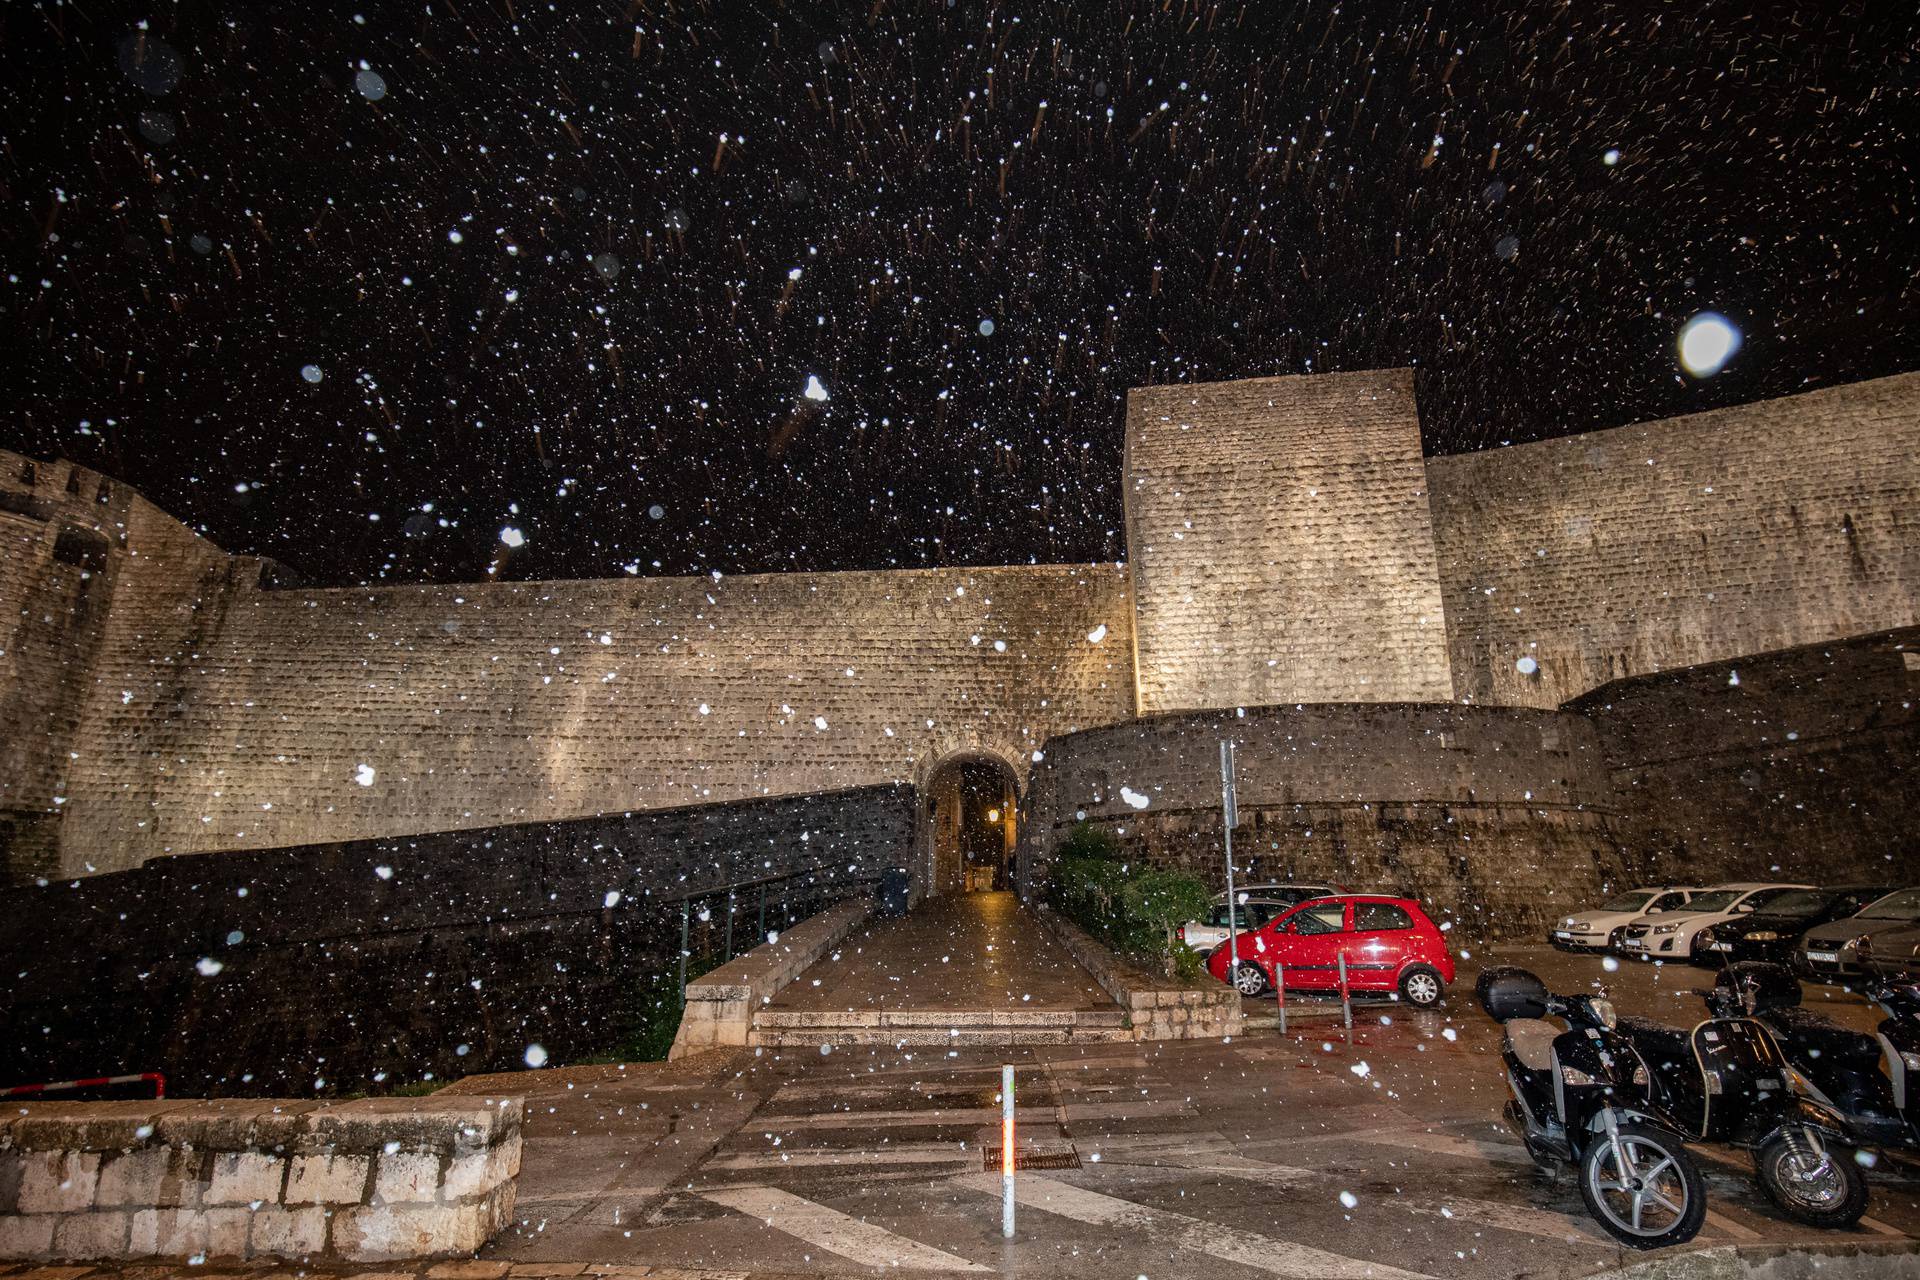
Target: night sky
360 287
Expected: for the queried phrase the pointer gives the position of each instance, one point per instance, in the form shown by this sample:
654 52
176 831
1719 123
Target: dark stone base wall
1499 819
307 970
1797 765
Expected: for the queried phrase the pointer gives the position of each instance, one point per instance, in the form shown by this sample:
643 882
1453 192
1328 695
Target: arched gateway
967 813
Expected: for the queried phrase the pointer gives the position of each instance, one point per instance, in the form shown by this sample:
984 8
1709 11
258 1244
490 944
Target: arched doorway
968 815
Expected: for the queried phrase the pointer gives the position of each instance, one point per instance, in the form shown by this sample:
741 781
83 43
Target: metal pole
1280 991
729 924
761 935
685 910
1006 1151
1227 816
1346 1000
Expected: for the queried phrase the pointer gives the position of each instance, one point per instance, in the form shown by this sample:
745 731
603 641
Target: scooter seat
1823 1038
1531 1040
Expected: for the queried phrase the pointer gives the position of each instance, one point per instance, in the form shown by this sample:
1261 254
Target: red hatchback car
1389 943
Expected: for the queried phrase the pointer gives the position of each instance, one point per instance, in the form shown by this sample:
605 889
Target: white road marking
1728 1227
953 1116
1165 1227
864 1157
1875 1225
1447 1144
1517 1217
829 1229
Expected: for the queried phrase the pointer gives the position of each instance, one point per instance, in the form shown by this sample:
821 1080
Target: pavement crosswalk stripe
951 1116
1163 1226
1447 1144
1517 1217
1881 1228
829 1229
863 1157
1726 1226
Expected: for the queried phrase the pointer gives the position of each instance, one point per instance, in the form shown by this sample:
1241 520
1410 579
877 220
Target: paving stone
474 1270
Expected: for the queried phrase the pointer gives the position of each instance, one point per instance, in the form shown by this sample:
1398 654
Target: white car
1594 930
1672 938
1258 903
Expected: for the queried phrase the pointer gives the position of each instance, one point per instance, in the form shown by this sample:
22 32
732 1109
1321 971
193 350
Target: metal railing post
686 909
1346 998
1280 991
729 943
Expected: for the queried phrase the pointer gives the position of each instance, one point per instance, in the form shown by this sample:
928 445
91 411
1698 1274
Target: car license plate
1561 933
1823 957
1720 946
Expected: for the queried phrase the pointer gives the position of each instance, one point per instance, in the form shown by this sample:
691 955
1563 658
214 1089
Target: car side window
1665 902
1378 917
1329 917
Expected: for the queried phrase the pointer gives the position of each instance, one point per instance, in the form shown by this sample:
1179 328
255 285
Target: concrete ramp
963 970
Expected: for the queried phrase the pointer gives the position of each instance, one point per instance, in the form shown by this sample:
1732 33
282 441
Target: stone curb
1898 1260
1156 1009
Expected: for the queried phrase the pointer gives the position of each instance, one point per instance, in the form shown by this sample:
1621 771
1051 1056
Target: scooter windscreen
1737 1056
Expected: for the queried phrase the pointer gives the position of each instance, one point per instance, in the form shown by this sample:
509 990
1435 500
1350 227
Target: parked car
1892 955
1257 904
1771 932
1831 952
1389 944
1672 937
1594 930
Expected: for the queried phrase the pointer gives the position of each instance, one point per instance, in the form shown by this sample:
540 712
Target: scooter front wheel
1821 1186
1645 1190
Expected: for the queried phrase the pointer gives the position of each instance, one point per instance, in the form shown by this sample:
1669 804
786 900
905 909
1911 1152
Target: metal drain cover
1046 1153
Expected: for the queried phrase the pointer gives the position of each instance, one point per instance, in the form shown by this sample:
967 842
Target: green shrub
1134 910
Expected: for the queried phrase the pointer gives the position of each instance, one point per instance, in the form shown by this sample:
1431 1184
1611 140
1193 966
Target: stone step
942 1020
959 1038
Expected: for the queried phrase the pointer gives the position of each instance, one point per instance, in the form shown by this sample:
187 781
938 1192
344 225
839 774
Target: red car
1389 943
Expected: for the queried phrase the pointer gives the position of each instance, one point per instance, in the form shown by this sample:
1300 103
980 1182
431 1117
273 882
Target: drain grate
1034 1155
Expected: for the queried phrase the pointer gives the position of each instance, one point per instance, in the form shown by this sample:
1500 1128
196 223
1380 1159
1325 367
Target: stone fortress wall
157 698
452 821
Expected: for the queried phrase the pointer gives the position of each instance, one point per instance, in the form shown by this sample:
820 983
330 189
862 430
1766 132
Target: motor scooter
1868 1078
1728 1081
1582 1097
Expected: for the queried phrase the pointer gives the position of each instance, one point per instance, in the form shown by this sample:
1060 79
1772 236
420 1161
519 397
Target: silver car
1831 951
1258 904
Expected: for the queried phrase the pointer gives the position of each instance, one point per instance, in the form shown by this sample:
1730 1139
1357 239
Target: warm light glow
1707 342
993 815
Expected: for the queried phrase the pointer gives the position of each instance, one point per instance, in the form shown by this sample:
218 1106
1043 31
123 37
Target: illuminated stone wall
1281 545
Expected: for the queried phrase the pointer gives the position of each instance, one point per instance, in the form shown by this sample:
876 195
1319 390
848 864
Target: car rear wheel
1421 987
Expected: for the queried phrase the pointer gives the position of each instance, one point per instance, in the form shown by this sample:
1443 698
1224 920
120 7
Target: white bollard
1006 1151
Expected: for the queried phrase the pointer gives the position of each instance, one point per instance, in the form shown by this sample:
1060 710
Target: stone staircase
955 1028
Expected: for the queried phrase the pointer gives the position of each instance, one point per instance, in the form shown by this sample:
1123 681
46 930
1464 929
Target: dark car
1893 955
1831 952
1772 932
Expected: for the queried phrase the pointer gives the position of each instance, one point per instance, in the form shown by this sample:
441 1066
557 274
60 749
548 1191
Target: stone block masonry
329 967
1281 544
368 1181
720 1006
1671 544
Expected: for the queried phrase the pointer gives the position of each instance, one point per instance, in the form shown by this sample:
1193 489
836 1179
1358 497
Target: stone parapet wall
373 1180
309 716
262 971
1157 1008
721 1004
1670 544
1497 818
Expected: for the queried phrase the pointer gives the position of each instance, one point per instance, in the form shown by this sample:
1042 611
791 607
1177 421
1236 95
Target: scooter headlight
1574 1075
1640 1077
1603 1010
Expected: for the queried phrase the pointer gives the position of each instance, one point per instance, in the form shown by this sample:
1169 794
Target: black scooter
1843 1068
1728 1081
1582 1096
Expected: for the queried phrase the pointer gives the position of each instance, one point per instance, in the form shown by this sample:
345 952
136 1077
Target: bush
1135 911
1162 901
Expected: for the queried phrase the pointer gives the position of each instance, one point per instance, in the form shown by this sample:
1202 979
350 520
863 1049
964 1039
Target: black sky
544 256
